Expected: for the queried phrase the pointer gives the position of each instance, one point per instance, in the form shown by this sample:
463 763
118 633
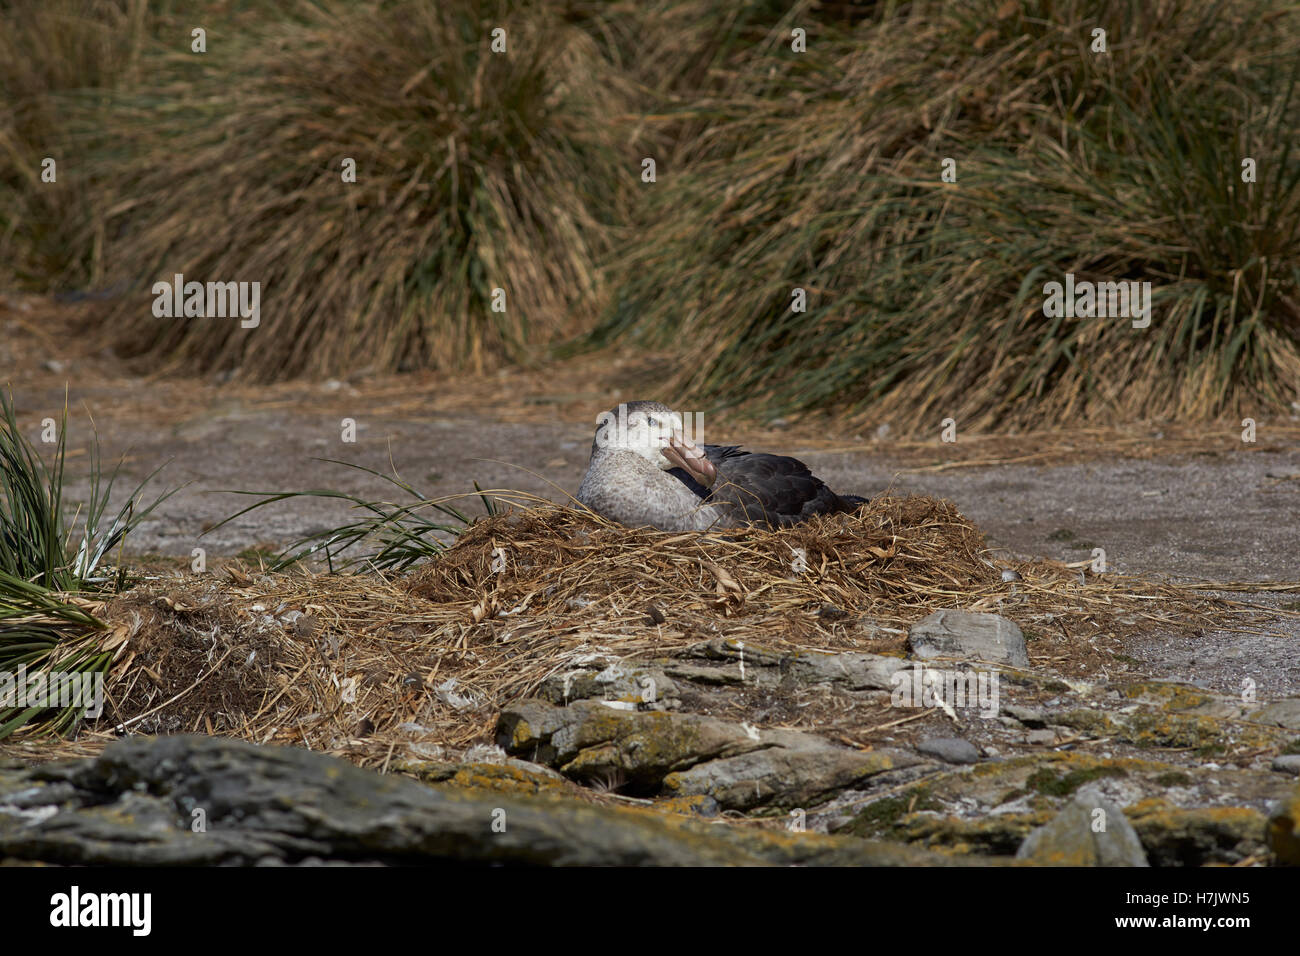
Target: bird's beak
683 453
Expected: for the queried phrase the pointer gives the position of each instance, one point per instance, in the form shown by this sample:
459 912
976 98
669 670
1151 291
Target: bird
646 472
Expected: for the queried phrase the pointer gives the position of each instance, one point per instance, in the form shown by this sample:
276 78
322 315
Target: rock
507 776
852 671
1282 713
779 776
1287 763
135 805
700 805
950 749
1161 728
829 612
970 636
1201 836
1029 716
1071 838
992 809
998 834
1041 738
590 742
639 686
739 765
1283 832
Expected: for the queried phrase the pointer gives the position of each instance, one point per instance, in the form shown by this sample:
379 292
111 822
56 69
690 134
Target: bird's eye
652 422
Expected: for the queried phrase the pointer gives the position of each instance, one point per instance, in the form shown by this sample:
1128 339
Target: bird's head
654 431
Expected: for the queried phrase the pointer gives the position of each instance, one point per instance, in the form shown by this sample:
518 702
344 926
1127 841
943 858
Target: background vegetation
776 170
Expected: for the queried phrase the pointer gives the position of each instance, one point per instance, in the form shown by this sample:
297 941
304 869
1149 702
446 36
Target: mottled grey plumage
631 481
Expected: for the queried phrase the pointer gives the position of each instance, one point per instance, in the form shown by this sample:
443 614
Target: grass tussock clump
54 573
925 298
474 171
778 170
54 54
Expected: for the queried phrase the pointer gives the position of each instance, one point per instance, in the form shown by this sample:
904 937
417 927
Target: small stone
1288 763
950 749
1041 737
829 612
1029 716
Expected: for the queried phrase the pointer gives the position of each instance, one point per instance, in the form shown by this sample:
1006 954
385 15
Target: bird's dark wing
720 453
766 489
771 489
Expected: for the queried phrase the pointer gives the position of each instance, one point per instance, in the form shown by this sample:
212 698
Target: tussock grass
52 53
776 170
50 562
474 171
925 298
386 535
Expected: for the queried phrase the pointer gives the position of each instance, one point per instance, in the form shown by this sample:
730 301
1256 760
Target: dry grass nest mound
571 569
382 669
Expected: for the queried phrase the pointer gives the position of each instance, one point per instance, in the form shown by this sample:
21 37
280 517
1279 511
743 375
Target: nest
380 669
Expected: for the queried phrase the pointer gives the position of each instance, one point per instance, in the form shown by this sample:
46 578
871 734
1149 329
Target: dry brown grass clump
925 297
900 553
474 171
50 52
